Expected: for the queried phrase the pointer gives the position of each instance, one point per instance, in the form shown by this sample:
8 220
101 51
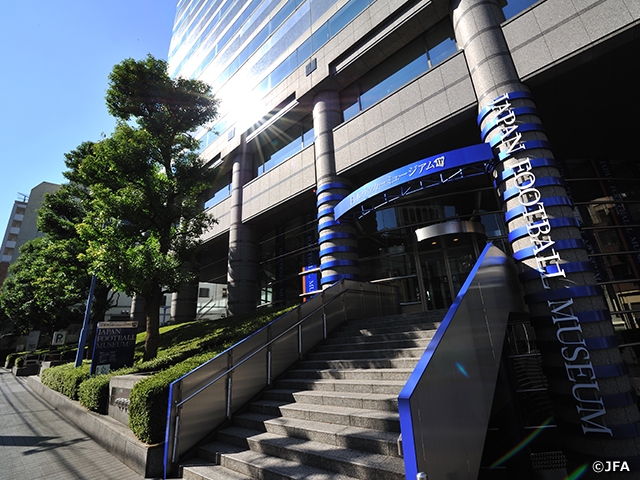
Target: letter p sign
59 338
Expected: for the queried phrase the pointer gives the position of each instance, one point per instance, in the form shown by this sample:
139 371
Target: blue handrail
446 403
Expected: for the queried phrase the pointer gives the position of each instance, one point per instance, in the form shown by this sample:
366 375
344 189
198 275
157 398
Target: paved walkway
36 442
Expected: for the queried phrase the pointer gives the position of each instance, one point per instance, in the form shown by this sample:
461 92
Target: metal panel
248 379
446 403
200 415
200 401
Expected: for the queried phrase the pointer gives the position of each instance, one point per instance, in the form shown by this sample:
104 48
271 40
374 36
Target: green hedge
186 346
12 358
66 378
149 397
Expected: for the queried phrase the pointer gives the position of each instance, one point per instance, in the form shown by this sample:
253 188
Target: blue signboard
435 165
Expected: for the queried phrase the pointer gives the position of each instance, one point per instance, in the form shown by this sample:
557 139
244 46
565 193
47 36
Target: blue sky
55 58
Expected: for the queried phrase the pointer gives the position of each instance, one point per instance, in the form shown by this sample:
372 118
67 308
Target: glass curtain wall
606 196
285 251
390 254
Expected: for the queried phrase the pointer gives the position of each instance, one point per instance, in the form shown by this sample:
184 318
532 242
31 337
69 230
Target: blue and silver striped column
588 383
338 245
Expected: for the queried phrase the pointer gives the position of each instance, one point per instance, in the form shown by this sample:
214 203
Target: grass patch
182 348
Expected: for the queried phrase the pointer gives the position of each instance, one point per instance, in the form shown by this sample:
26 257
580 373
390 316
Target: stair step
342 460
356 417
368 401
358 363
198 469
424 318
334 415
401 374
414 335
371 330
258 465
414 352
332 385
364 439
377 345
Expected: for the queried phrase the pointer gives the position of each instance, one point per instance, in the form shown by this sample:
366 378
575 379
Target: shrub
12 358
149 397
66 378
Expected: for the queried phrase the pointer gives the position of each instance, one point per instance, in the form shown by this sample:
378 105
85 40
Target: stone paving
36 442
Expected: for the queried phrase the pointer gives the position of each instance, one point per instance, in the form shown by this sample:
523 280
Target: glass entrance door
445 262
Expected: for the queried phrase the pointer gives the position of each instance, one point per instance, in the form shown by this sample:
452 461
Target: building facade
23 224
388 140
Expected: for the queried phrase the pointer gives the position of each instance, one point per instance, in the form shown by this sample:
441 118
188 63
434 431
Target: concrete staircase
333 416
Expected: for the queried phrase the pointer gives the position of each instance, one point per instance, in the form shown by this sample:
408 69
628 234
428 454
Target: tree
49 282
44 286
146 182
58 217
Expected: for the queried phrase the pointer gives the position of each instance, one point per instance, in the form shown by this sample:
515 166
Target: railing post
269 355
229 382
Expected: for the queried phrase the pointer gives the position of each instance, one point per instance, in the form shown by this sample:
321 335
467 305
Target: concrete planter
112 435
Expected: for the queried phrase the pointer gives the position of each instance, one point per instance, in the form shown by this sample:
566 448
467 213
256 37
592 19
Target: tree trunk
101 304
152 315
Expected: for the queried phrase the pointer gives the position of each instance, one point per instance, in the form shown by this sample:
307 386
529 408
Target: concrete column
594 404
136 313
338 246
184 303
242 272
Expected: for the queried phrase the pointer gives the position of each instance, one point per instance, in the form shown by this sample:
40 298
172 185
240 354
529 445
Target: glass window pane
513 7
440 43
320 37
345 15
404 67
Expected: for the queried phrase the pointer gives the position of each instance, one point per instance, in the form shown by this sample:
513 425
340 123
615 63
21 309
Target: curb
118 440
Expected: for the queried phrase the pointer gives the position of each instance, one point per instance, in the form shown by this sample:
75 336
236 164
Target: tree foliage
44 286
49 282
146 182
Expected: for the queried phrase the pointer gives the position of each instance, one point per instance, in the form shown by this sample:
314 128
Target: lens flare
526 441
462 370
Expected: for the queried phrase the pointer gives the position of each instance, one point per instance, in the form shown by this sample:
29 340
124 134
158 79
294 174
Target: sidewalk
36 442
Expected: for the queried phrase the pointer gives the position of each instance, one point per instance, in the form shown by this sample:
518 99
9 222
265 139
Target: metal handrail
258 350
191 419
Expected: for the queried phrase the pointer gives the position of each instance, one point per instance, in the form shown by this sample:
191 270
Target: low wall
114 437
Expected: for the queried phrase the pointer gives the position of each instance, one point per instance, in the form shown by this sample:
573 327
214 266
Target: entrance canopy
415 177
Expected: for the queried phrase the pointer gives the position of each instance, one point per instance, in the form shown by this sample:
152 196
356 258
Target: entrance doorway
446 253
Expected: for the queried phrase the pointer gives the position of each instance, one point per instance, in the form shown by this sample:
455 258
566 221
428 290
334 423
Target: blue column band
583 317
328 224
569 267
325 211
601 371
563 294
338 263
331 185
334 197
528 145
557 222
337 249
547 202
535 163
334 235
567 244
592 343
509 193
520 94
496 123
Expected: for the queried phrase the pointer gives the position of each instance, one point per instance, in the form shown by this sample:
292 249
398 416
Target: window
203 293
407 64
276 146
